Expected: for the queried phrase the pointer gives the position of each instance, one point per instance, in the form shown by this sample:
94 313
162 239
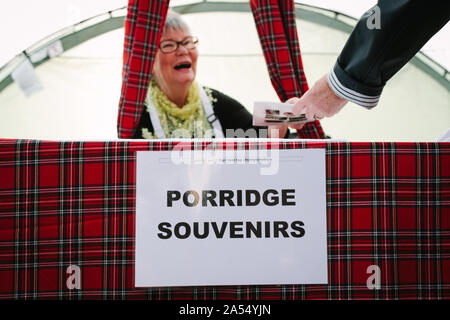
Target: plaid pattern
276 26
145 19
73 203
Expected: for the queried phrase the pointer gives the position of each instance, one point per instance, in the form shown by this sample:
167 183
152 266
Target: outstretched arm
383 41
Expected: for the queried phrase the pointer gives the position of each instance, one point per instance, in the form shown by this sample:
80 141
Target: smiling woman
176 64
176 106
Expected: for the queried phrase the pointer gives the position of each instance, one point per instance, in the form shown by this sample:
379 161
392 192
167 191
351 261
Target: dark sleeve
144 122
232 114
374 53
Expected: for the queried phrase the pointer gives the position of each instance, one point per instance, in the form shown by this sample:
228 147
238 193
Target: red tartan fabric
144 21
73 203
276 26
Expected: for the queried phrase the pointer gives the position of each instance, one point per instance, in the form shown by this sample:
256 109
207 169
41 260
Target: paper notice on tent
213 218
25 76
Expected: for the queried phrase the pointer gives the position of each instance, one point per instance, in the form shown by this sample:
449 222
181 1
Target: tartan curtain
143 25
68 204
276 26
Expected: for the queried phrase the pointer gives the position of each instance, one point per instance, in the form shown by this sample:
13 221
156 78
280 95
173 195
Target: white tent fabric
45 16
82 86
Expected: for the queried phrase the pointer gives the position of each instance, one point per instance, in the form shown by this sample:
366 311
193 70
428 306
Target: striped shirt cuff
351 95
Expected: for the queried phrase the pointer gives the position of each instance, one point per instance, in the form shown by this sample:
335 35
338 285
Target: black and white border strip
351 95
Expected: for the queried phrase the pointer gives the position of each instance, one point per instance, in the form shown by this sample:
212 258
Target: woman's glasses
169 46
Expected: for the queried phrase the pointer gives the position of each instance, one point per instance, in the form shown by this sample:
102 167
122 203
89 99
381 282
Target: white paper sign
55 49
222 222
25 76
445 137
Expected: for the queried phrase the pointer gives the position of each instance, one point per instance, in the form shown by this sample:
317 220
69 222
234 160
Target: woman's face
178 67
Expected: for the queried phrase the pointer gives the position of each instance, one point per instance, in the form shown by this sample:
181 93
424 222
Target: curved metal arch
70 37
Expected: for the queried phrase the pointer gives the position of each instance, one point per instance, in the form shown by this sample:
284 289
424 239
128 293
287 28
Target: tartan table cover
277 30
73 203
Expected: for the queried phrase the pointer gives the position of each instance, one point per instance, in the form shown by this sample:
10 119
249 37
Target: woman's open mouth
183 65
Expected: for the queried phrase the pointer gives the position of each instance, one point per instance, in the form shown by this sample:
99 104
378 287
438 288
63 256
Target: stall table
66 204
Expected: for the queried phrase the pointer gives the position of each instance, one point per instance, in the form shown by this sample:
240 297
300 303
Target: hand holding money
318 102
277 117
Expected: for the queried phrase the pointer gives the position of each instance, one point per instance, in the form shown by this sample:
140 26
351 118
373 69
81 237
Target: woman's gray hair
174 21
